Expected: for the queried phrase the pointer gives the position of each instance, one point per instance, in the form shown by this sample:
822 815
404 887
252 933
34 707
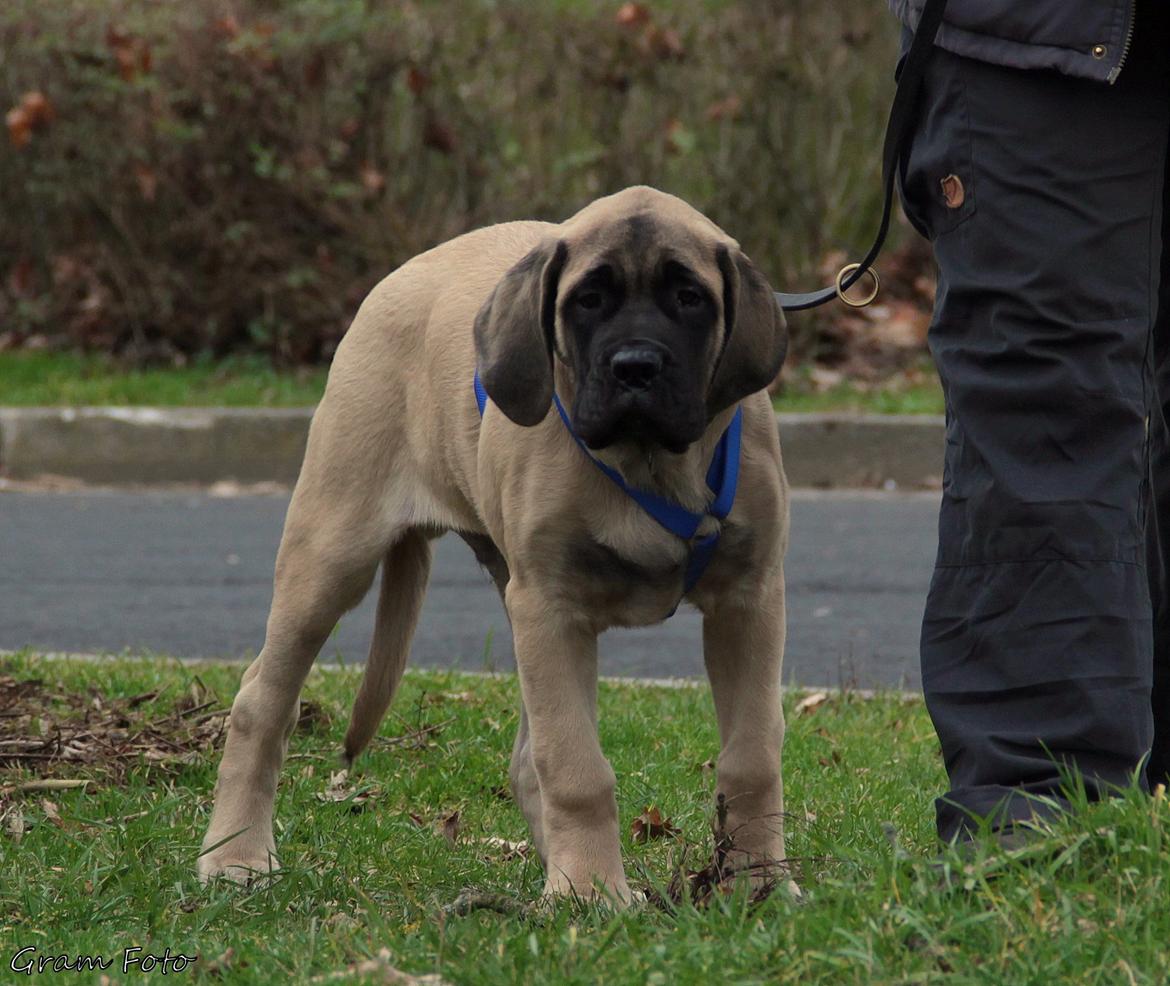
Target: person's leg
1158 526
1036 640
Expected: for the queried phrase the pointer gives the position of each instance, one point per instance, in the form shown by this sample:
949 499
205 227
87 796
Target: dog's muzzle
636 367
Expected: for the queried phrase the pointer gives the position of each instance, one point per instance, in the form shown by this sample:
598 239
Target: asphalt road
190 574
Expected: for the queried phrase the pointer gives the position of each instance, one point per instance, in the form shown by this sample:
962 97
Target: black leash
896 143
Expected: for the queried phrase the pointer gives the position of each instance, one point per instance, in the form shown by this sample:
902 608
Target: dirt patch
49 732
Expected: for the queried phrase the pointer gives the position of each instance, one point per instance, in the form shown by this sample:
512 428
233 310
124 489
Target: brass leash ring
844 272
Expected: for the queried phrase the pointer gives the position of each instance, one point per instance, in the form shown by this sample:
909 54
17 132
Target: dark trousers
1046 635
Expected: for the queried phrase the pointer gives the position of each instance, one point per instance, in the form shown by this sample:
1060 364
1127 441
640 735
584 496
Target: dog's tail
405 571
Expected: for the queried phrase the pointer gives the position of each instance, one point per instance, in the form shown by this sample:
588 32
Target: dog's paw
615 893
242 868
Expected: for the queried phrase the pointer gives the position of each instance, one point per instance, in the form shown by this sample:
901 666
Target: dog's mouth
648 420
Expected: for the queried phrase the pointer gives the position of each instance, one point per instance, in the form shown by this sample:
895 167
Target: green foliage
214 176
30 379
883 905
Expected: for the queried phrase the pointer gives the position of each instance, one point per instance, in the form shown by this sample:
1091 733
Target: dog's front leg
743 647
556 655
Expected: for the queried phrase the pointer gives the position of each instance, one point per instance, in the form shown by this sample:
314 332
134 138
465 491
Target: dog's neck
681 476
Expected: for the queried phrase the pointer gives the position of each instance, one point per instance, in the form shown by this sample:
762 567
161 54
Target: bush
208 177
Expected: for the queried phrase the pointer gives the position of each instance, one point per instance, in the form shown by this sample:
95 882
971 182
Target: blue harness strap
722 478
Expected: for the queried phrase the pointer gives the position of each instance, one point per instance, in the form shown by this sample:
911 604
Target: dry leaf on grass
379 970
340 791
51 812
221 964
651 825
12 820
508 849
810 703
449 827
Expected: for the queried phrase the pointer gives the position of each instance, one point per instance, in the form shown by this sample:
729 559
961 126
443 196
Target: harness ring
844 272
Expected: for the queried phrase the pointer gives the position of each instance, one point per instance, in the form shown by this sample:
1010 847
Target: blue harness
722 478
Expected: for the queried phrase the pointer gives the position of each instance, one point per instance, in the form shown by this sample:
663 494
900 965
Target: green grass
914 391
117 872
42 378
55 379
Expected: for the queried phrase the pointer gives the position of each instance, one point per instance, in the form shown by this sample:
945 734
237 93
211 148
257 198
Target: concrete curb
143 445
325 667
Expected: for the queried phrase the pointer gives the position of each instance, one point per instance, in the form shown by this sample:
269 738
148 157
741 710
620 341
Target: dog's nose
636 367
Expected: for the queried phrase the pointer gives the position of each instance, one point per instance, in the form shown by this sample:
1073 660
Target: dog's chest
640 581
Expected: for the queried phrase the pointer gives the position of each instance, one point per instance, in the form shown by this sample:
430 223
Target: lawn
54 379
30 379
373 863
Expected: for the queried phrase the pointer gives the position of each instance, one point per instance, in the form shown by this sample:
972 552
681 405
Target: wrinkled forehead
639 249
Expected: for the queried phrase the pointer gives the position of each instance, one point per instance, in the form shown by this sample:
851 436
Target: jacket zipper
1116 70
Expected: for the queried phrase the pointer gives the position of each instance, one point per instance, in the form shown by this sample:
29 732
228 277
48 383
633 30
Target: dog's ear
515 334
755 335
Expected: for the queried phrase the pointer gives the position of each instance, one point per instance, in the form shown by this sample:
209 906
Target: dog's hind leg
404 581
328 555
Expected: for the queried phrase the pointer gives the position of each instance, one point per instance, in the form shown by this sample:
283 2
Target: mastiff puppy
652 329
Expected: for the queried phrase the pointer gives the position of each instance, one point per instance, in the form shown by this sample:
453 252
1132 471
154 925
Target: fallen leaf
51 812
340 791
440 136
373 181
651 825
724 109
127 63
632 15
417 81
509 850
449 826
221 964
147 181
314 72
379 970
811 702
13 820
824 379
39 108
20 283
663 43
19 127
227 27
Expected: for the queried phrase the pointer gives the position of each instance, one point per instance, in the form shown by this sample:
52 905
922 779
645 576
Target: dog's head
660 318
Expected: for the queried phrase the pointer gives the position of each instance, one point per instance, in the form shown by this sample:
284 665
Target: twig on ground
53 784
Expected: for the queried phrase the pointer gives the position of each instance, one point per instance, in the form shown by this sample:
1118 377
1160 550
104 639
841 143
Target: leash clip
848 269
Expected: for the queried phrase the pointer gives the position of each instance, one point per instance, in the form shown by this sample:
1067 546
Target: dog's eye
688 298
589 300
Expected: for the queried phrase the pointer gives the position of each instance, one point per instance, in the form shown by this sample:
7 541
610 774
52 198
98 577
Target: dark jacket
1085 38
